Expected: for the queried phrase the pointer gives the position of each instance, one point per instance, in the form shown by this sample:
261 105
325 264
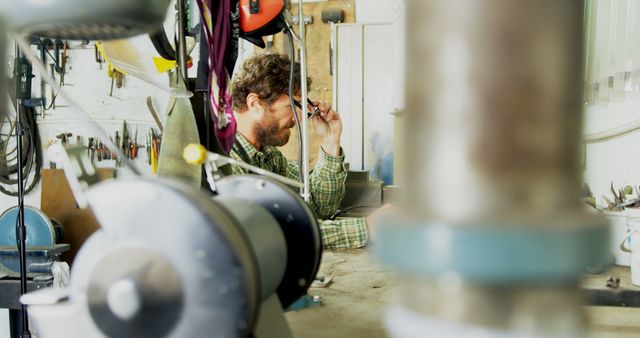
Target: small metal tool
316 109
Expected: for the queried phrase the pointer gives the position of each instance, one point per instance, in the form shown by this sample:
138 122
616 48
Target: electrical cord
291 102
341 211
31 165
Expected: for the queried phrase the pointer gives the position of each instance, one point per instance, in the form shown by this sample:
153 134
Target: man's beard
269 133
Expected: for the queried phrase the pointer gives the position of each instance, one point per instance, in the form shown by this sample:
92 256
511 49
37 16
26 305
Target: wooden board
57 202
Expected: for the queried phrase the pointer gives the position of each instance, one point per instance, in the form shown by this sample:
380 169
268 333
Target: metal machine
75 19
171 261
43 238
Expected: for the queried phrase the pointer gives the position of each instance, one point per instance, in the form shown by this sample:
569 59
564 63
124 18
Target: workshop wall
379 11
87 83
616 160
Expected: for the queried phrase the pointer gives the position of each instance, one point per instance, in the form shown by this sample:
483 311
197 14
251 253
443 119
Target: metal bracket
304 302
308 20
254 6
213 174
78 168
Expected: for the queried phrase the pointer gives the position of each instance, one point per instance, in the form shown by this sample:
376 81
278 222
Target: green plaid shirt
327 190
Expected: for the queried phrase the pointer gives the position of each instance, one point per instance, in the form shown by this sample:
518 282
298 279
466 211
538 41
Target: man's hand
374 218
328 126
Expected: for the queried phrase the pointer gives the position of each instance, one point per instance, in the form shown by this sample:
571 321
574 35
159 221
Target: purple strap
217 43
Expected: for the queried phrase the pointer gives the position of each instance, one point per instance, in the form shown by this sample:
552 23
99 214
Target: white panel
399 54
347 70
378 101
4 323
399 68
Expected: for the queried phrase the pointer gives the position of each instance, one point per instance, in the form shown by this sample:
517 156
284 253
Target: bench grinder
170 261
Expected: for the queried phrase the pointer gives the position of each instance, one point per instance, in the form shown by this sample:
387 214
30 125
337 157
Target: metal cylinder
182 42
494 108
493 125
266 237
85 19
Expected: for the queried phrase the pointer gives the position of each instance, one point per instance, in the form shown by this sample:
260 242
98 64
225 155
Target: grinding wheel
40 230
168 262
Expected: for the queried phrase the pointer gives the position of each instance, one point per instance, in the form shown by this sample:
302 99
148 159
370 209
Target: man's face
274 127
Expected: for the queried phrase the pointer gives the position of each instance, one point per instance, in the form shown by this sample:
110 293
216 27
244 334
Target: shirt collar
251 151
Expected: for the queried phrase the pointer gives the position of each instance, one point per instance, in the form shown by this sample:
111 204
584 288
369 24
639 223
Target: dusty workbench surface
613 321
354 302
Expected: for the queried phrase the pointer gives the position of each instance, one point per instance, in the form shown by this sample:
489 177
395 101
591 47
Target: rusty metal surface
493 123
494 108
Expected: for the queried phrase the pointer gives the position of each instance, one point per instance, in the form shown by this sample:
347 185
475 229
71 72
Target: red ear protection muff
260 18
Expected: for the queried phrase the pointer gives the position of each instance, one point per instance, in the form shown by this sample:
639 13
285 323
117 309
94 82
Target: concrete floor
354 303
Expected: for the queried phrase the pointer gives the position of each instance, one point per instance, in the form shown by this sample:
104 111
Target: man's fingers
329 115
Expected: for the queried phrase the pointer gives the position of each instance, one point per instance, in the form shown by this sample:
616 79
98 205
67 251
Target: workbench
612 288
353 304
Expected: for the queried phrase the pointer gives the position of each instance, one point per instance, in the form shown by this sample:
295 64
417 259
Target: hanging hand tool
63 62
116 76
99 150
154 114
91 148
148 147
64 137
155 151
134 145
99 58
112 154
124 145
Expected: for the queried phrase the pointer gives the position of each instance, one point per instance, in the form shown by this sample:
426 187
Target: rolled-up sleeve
344 233
327 183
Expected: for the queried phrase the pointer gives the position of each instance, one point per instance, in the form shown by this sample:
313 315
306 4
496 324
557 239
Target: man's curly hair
266 75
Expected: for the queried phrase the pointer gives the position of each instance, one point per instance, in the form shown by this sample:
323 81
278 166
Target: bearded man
260 94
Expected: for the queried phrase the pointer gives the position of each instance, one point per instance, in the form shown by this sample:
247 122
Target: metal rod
20 228
182 42
493 125
214 157
306 195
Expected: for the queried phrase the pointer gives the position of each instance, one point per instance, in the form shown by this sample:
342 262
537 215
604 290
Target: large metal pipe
493 125
182 42
495 108
306 192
